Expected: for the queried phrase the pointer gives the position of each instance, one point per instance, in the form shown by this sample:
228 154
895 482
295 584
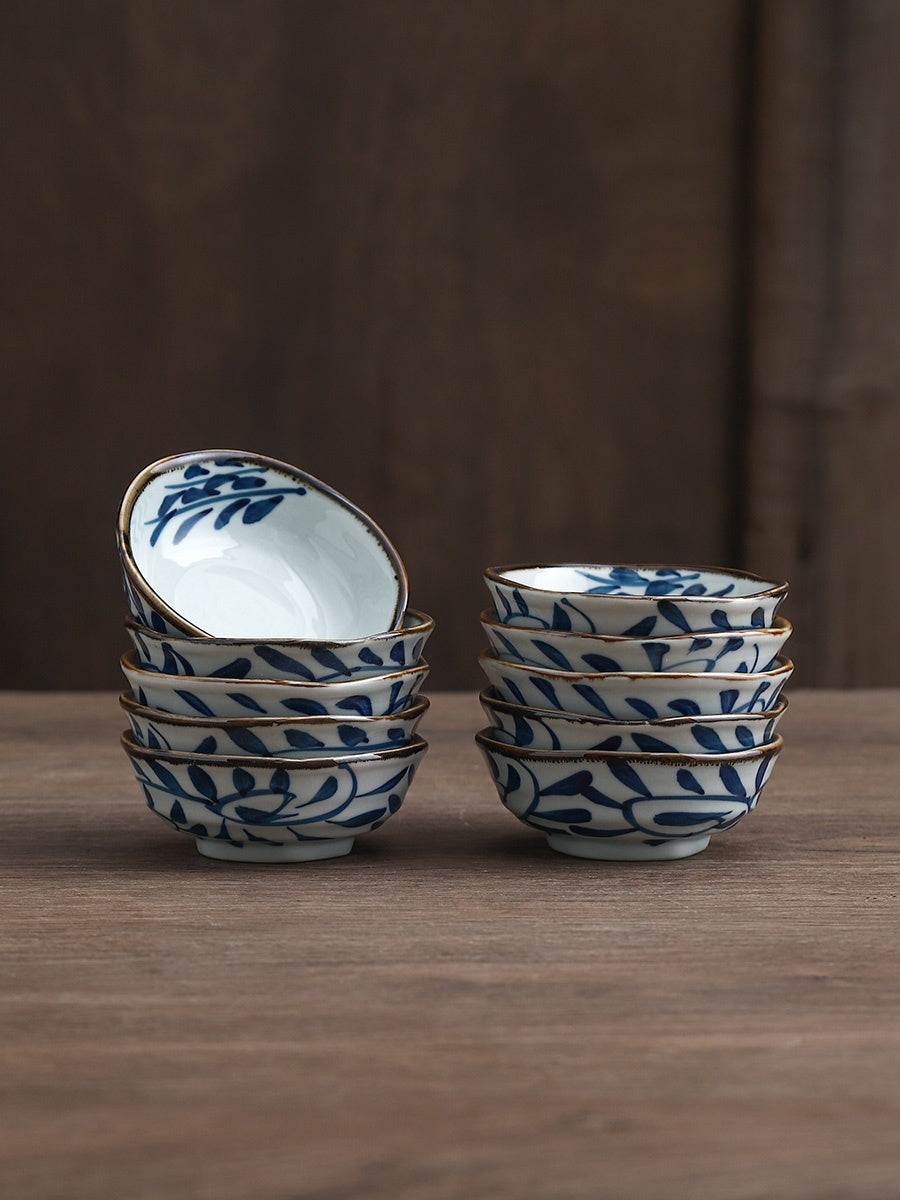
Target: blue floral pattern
262 804
542 730
284 738
223 489
628 798
740 653
623 697
664 601
322 663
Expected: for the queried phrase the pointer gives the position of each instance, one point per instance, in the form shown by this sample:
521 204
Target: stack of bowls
632 709
275 668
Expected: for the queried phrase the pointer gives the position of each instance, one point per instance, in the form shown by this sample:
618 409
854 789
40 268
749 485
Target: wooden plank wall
482 267
823 502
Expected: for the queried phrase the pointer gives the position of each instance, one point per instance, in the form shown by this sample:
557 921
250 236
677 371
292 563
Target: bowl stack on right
632 708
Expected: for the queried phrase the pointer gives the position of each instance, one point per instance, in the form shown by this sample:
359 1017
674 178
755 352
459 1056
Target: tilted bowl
227 543
313 661
632 601
648 695
609 805
264 810
208 696
744 651
263 737
544 729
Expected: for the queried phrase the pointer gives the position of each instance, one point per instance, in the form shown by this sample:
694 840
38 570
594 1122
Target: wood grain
453 1010
473 264
823 504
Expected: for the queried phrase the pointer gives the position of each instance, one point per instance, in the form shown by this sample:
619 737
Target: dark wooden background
527 280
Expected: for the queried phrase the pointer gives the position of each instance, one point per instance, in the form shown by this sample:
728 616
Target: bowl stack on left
275 668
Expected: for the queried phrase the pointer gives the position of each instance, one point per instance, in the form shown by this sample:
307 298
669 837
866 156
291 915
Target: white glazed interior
312 568
575 578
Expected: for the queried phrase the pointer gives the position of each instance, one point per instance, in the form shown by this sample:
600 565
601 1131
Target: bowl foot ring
258 852
610 850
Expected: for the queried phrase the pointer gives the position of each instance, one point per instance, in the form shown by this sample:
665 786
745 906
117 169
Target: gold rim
484 739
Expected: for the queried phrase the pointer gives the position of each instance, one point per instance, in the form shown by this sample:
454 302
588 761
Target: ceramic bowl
264 737
748 651
611 805
257 810
203 695
316 662
632 601
648 695
543 729
230 544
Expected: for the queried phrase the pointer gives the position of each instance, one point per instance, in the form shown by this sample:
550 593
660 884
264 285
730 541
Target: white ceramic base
622 851
257 852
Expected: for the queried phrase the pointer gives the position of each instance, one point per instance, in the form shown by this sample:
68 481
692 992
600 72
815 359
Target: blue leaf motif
398 654
298 740
370 657
513 779
243 781
708 739
176 813
351 735
688 782
642 707
560 618
651 745
228 512
248 741
195 702
728 699
550 652
687 708
394 802
572 785
520 602
329 660
720 619
599 663
187 525
656 652
643 628
566 816
744 736
246 701
195 470
627 775
524 734
307 708
545 687
260 508
326 791
207 746
731 780
280 781
357 704
365 818
238 668
610 743
284 664
202 781
758 618
673 614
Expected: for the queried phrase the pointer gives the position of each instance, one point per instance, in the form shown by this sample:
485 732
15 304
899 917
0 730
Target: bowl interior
241 546
610 580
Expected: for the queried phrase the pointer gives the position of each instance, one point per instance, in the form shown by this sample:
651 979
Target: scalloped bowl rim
710 761
413 745
148 712
489 701
770 587
172 462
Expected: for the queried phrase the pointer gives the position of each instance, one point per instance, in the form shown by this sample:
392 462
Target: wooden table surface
453 1010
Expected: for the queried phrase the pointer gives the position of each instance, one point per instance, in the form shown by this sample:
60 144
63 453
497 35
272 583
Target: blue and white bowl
606 805
270 737
745 652
202 695
646 695
291 810
315 662
543 729
229 544
632 601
